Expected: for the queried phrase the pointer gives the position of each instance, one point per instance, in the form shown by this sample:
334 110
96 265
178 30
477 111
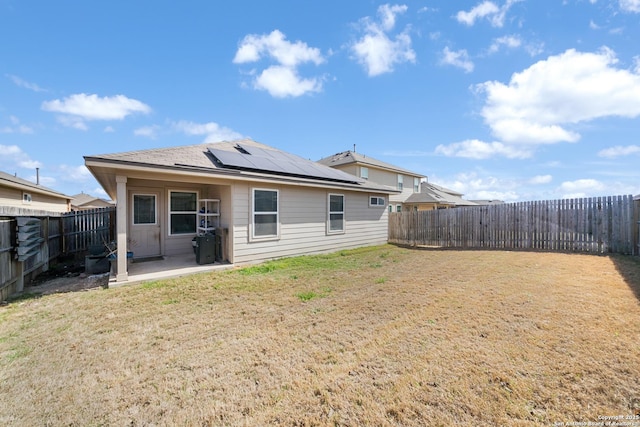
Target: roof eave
95 162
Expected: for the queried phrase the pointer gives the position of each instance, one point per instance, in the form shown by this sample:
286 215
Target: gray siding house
265 202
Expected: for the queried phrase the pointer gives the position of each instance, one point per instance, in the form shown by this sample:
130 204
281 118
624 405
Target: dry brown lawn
381 336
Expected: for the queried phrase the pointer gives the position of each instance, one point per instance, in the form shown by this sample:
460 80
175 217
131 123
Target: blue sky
507 99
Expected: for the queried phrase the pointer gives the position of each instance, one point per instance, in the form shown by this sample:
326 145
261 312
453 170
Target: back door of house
144 225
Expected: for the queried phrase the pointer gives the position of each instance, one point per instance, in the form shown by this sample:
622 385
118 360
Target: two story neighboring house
373 170
417 193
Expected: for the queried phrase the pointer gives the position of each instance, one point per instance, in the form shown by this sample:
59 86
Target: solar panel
279 163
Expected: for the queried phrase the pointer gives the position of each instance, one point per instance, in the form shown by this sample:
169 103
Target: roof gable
350 157
12 181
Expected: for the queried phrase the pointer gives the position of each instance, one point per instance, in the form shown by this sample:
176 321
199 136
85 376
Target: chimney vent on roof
354 148
37 176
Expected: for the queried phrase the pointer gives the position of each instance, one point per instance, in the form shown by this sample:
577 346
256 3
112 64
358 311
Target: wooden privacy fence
593 225
69 233
81 229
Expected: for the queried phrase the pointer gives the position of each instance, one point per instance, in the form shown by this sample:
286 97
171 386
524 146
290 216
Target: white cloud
630 5
511 42
80 107
12 155
483 9
25 84
487 9
16 127
475 149
281 80
74 173
388 15
476 187
593 25
147 131
581 188
109 129
539 104
275 45
72 122
458 59
541 179
376 51
213 131
619 151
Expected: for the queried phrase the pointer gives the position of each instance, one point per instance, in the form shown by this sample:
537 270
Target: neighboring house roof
432 193
488 202
12 181
349 157
88 201
236 160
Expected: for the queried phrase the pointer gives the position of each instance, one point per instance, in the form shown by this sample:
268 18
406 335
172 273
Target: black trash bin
206 249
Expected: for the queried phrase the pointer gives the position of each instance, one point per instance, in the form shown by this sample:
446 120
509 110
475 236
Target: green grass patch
306 296
156 284
309 295
18 353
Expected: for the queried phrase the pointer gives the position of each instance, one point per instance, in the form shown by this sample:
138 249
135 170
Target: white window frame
378 203
390 208
170 212
416 185
330 212
400 182
155 207
364 172
398 208
26 198
252 223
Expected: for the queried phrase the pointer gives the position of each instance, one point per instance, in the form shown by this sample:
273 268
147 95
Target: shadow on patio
164 268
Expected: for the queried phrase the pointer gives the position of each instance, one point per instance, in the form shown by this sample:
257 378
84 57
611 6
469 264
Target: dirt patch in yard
64 277
382 336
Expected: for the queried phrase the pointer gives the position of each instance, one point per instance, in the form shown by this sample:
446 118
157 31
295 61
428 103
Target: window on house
399 208
390 208
364 173
144 209
376 201
336 213
400 182
182 212
26 198
265 213
416 185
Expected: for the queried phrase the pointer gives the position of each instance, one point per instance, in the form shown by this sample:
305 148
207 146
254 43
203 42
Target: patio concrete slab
164 268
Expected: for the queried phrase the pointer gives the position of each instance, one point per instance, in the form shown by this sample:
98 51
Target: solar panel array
279 163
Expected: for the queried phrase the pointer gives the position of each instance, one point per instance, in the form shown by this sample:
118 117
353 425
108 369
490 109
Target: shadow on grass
629 268
23 296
